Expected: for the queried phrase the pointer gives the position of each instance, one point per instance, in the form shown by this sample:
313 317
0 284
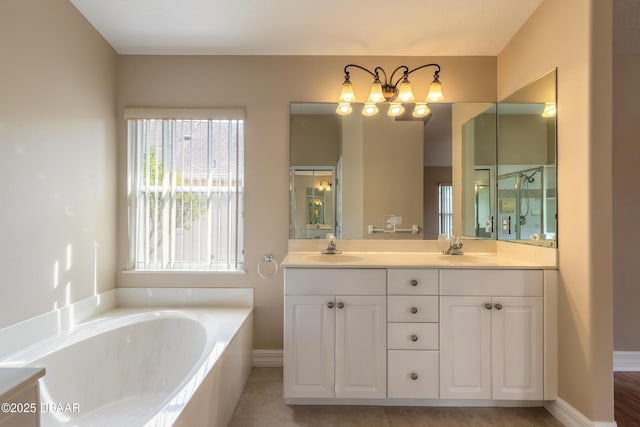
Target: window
445 209
185 189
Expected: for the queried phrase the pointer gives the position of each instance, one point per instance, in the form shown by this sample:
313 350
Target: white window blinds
185 189
445 209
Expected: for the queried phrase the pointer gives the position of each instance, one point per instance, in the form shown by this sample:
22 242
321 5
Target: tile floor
262 405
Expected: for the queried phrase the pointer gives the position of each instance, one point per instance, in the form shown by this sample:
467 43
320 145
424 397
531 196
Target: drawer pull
340 305
413 310
414 376
330 304
414 282
498 306
488 306
414 338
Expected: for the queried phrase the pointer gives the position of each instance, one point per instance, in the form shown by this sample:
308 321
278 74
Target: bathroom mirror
477 124
526 164
381 175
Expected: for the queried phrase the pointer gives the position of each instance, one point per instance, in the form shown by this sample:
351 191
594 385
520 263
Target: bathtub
144 367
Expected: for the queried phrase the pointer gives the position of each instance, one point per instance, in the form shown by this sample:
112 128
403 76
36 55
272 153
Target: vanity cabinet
412 333
335 333
415 335
491 334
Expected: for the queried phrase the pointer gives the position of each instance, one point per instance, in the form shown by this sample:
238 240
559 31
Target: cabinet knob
414 376
498 306
413 310
414 338
330 304
414 282
488 306
340 305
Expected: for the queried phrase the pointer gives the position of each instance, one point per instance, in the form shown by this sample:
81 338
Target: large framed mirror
391 177
526 164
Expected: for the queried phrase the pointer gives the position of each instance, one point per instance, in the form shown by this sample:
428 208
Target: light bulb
395 109
435 91
405 93
370 109
421 109
346 94
549 109
344 108
376 95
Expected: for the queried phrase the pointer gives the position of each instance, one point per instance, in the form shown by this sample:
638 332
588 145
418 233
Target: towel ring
265 260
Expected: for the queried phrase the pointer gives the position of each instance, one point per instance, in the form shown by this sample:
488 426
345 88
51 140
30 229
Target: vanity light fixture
549 109
394 92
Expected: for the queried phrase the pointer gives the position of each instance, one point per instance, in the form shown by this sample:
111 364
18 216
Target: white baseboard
626 361
267 358
571 417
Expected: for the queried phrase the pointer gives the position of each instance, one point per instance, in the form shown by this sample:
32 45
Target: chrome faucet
331 245
455 247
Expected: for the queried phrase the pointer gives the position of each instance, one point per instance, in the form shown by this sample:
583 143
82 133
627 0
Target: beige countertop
13 380
482 260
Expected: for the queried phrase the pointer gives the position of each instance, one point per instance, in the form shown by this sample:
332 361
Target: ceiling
304 27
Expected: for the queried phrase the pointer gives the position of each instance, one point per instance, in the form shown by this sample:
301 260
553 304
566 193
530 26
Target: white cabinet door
360 349
309 346
517 348
465 348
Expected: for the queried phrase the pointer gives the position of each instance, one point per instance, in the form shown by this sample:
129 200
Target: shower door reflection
521 205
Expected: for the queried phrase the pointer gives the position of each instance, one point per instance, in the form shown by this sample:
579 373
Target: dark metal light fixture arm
437 72
405 73
346 71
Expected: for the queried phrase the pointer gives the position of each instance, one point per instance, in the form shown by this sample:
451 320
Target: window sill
176 272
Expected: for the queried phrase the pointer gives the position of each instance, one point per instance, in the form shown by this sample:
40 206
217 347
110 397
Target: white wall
57 158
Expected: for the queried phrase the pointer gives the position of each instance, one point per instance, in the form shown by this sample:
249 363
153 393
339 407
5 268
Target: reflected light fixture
394 91
549 109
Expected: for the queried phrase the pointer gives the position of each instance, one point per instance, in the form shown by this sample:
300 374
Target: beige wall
264 86
522 140
393 167
57 158
351 177
626 201
464 148
575 36
314 139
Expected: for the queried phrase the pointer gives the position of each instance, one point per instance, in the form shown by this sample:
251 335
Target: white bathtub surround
52 323
146 366
185 297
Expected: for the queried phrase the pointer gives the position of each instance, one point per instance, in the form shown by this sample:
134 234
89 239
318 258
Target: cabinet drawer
412 336
412 308
335 281
413 374
412 282
517 283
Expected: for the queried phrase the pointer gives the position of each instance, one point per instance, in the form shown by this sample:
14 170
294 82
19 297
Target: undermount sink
334 258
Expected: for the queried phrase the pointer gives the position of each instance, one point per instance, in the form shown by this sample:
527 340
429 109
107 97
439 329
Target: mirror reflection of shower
523 205
523 187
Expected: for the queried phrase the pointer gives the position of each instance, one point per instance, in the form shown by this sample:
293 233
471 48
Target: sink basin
334 258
